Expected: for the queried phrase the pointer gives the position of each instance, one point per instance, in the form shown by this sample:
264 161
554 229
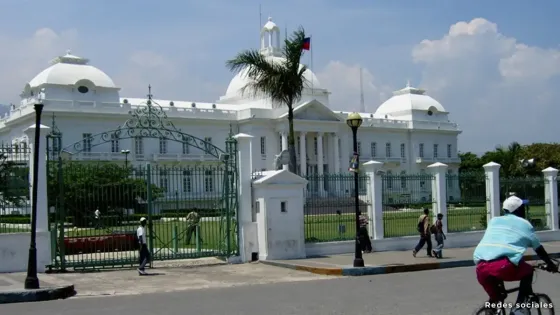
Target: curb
378 270
45 294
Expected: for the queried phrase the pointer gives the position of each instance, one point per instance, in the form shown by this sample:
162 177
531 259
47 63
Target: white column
336 154
302 154
247 230
375 211
492 171
284 146
320 162
42 202
551 197
439 191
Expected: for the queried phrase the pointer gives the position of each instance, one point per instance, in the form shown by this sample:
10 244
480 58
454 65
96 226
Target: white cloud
343 81
498 89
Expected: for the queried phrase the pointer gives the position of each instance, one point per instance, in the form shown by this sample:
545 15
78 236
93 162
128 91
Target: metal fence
102 204
329 206
14 188
404 197
532 189
466 202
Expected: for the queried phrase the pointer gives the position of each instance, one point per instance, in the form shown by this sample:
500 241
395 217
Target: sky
494 65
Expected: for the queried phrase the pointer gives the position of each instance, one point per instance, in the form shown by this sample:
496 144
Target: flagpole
311 65
260 24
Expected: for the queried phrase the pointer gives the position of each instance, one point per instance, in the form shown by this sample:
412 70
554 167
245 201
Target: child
438 233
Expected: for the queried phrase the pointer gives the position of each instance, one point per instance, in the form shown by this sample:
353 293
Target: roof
70 69
281 177
409 99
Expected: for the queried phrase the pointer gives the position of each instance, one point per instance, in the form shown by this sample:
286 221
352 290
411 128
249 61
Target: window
83 89
208 181
315 145
283 206
339 150
359 148
373 149
56 146
403 150
187 181
280 143
208 144
389 179
298 147
388 149
435 151
450 178
186 146
403 179
263 145
163 182
449 150
422 181
86 142
421 150
162 146
139 145
114 143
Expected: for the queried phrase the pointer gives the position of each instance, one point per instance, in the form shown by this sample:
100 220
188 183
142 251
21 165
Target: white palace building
407 132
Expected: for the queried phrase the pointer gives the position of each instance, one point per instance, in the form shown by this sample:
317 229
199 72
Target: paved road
449 291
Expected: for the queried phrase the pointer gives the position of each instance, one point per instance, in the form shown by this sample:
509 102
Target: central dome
241 79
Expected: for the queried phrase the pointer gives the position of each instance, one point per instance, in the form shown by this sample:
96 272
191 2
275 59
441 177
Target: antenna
260 16
362 105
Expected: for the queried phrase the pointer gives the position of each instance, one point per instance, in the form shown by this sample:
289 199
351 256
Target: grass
327 228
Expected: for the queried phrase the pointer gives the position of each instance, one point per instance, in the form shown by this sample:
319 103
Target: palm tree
281 79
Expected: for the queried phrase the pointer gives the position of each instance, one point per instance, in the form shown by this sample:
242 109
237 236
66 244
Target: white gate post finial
492 171
375 193
551 197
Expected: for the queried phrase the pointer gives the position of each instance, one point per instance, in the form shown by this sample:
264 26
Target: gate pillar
247 228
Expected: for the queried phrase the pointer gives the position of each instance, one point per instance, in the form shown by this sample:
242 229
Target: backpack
433 229
420 227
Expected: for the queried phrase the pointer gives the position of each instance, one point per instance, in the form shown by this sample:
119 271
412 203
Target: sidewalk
12 289
392 262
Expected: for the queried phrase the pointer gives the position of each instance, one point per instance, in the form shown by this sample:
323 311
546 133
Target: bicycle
540 299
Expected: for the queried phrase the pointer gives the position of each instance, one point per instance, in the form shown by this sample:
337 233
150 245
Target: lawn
326 228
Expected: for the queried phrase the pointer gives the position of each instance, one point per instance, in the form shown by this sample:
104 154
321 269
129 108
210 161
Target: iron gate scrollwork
98 205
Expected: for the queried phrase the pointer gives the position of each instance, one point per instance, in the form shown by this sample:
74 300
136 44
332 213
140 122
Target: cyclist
499 255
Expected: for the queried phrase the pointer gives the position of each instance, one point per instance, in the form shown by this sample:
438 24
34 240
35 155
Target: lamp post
32 281
354 121
126 153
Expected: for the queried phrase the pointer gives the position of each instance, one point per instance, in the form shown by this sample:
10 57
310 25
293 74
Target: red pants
488 271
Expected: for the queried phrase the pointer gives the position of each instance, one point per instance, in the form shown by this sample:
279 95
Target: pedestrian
144 253
97 216
363 234
193 220
423 228
437 230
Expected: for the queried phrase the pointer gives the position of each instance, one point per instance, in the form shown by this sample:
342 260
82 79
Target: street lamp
32 281
354 121
126 153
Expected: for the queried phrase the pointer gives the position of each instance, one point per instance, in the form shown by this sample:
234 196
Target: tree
104 186
14 183
470 163
280 79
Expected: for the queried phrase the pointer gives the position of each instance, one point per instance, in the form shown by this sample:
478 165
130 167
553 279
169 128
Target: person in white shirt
144 252
97 215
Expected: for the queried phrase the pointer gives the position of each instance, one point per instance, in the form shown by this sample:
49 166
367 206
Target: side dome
410 99
69 70
241 80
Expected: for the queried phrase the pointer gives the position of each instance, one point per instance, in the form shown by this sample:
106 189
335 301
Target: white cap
512 203
142 219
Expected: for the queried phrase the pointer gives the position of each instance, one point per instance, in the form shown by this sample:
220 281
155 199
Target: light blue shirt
506 236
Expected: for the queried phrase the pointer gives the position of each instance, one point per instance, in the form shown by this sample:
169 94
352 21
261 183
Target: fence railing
14 188
531 189
466 202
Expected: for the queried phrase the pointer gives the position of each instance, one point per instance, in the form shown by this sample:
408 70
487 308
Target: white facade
407 133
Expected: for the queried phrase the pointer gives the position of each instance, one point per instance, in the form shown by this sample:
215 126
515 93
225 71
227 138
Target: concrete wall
14 251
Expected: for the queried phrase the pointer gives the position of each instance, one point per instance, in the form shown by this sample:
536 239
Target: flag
306 43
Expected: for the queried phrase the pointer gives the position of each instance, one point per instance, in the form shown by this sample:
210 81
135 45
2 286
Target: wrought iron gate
191 209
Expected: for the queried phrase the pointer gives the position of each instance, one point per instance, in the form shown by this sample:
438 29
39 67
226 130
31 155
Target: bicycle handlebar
542 266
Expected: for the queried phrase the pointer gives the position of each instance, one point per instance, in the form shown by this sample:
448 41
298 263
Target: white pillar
247 231
284 146
439 191
42 201
336 154
302 154
375 211
492 171
551 197
320 162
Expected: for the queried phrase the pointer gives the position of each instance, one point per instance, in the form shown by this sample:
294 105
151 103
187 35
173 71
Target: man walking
144 253
424 230
363 234
193 220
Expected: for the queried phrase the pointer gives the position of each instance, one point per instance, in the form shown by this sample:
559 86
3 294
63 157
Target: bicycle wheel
543 305
483 310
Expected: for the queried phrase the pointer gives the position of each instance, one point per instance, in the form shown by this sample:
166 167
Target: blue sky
497 74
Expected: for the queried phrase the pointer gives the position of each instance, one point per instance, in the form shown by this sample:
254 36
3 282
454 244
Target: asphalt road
448 291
